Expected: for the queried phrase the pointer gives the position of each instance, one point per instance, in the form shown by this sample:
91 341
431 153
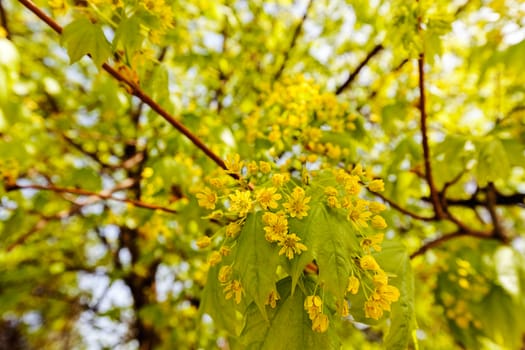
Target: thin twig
401 209
358 69
138 92
295 36
105 195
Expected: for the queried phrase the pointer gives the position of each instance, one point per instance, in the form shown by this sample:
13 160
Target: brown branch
358 69
491 207
434 195
401 209
105 195
442 239
138 92
3 21
293 42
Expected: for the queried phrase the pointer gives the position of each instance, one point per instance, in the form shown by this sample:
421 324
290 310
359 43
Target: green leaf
128 35
289 326
493 163
256 261
333 244
394 258
214 303
82 37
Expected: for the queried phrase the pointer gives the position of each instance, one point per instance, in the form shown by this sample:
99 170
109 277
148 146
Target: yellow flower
280 179
351 184
265 167
331 191
359 214
373 310
388 293
241 202
225 273
333 202
234 289
368 262
373 241
233 164
233 229
378 222
290 246
203 242
358 170
320 323
297 203
380 278
313 305
276 226
225 251
215 258
376 207
342 308
267 197
207 198
353 285
252 167
272 299
376 186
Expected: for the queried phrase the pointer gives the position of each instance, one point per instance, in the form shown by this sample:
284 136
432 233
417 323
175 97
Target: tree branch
358 69
295 36
434 195
440 240
3 21
138 92
105 195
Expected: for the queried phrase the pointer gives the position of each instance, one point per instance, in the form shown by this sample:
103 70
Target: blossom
225 251
280 179
233 229
290 246
215 258
358 170
378 222
330 191
272 299
376 207
373 241
297 203
368 262
320 323
276 226
380 278
233 164
207 198
265 167
351 184
388 293
234 289
267 197
225 273
353 284
312 305
359 214
241 202
373 310
203 242
252 167
333 202
342 308
376 186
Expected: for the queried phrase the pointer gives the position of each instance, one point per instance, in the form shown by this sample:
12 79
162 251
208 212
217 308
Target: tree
267 175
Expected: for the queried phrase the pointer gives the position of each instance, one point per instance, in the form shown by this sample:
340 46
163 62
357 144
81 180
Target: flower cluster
314 307
232 288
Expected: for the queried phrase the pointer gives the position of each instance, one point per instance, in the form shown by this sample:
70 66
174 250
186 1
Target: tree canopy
262 174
